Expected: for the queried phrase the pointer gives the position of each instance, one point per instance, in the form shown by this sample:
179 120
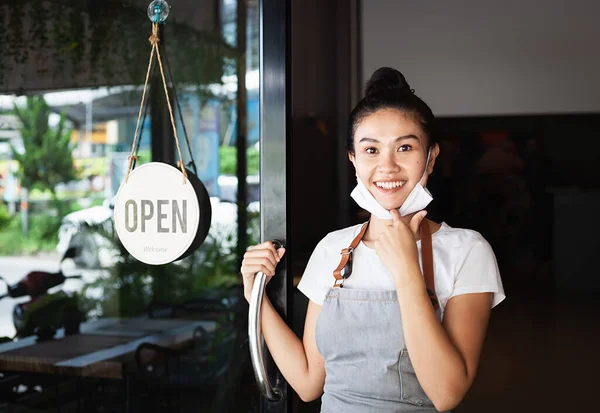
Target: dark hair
388 89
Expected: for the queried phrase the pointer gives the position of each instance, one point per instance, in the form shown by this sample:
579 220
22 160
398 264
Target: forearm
288 353
440 368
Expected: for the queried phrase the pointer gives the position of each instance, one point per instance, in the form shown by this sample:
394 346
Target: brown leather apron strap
344 270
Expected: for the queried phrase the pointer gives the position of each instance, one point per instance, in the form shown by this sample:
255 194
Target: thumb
415 221
280 252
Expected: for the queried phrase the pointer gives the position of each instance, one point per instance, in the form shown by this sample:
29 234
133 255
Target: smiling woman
406 330
388 151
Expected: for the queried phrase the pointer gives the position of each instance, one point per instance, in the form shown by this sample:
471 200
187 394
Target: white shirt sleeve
479 273
313 282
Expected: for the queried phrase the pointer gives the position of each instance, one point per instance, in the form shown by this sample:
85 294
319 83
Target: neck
377 226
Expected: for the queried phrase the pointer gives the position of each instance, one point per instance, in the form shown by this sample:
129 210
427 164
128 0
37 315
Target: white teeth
389 185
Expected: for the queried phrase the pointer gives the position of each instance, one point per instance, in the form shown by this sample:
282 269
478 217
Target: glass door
85 327
275 196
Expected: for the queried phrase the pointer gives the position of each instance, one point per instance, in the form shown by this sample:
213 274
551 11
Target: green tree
47 160
228 160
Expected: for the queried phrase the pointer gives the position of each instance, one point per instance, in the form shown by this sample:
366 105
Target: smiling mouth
389 186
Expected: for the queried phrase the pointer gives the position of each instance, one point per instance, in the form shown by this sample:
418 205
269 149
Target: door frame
275 166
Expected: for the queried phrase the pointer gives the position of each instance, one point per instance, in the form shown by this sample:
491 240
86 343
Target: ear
435 151
352 159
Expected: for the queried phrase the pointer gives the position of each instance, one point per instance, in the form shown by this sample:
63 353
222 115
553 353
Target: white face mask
416 201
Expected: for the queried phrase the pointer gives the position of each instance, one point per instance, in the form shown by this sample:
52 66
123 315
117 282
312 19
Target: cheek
417 169
364 165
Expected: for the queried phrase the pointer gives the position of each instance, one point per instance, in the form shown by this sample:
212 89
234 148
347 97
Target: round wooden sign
159 218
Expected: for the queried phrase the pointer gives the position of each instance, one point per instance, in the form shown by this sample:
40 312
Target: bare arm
445 357
299 361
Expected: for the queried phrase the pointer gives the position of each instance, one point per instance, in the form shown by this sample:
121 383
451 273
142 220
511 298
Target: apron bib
359 334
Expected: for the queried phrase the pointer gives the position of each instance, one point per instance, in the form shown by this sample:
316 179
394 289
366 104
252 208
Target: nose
388 163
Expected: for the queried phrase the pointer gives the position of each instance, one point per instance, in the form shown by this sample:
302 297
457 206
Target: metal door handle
256 338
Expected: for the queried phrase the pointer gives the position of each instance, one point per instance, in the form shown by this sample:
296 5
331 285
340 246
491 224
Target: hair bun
385 79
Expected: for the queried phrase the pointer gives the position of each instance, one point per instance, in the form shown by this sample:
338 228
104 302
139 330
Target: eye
371 150
404 148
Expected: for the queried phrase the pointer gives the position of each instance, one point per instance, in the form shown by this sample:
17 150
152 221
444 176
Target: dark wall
321 78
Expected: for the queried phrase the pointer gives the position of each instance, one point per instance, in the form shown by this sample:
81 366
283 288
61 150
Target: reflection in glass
85 325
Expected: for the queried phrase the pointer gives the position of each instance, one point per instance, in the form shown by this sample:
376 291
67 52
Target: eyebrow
400 138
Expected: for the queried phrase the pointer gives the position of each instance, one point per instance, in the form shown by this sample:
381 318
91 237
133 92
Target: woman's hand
397 246
260 258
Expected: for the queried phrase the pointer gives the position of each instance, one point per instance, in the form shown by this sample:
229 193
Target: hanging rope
154 39
192 163
143 122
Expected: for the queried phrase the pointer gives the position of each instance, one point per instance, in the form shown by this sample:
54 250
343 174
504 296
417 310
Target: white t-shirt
463 263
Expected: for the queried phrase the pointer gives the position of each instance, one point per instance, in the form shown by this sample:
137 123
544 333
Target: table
100 349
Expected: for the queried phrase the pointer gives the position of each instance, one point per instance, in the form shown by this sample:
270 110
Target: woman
399 306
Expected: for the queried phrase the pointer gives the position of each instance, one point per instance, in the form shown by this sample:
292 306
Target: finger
259 260
269 253
272 248
415 221
262 256
255 265
264 245
254 270
280 252
395 215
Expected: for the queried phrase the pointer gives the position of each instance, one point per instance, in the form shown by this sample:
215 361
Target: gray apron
359 334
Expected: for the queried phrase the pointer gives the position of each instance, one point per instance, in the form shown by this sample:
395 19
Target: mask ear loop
426 166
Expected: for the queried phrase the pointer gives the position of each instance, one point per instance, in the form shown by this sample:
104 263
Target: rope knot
154 39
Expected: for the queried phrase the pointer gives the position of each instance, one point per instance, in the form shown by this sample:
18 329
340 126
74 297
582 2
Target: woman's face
390 153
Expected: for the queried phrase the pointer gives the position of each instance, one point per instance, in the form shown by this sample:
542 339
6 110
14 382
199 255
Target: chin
389 201
390 205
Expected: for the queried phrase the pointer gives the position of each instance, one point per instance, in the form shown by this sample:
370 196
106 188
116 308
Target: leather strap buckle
344 269
339 283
